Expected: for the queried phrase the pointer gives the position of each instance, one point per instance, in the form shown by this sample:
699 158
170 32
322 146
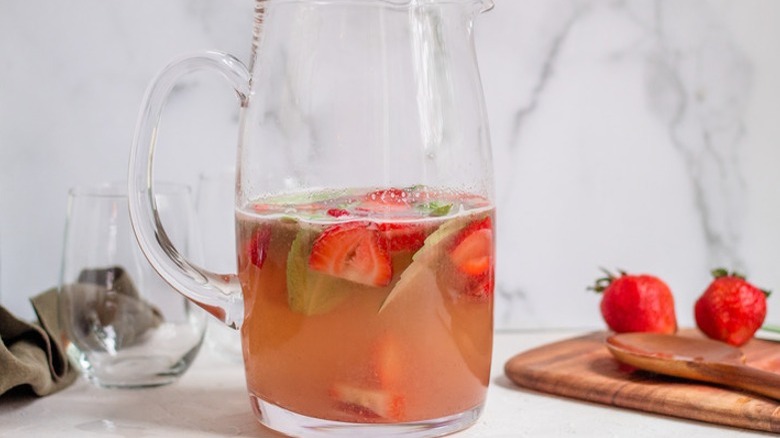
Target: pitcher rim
118 189
486 5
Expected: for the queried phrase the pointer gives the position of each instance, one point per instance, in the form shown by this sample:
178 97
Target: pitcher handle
218 294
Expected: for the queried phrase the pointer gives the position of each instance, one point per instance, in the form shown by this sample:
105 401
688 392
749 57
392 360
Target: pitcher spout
478 6
484 5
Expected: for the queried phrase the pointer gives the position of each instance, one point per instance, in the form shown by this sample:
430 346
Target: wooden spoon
690 358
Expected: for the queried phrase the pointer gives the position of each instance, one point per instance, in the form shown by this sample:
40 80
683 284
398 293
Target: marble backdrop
631 134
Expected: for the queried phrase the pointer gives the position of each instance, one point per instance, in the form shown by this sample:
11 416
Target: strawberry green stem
603 282
723 272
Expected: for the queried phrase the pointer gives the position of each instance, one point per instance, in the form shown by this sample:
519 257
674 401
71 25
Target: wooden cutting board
583 368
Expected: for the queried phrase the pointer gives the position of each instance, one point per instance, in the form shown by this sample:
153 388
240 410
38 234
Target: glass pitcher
364 216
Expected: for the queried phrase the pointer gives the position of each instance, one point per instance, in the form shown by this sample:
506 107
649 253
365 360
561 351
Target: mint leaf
435 208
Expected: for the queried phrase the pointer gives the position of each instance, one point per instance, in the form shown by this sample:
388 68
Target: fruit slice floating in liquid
402 236
368 402
310 292
256 248
422 259
392 199
472 250
472 255
353 251
380 395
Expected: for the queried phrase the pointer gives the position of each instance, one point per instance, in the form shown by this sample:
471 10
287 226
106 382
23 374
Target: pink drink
368 307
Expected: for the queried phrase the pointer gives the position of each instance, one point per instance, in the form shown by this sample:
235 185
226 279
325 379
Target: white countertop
210 401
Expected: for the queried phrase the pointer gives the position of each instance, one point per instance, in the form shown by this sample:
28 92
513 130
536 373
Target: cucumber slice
310 292
423 258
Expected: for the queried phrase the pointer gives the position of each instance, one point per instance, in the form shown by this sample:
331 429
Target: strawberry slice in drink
472 254
354 251
403 236
337 212
472 250
380 395
368 402
385 200
256 248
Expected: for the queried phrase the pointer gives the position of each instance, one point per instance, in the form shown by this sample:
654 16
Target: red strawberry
369 402
337 212
636 303
354 251
261 208
380 395
311 207
386 200
472 249
402 236
731 309
257 246
386 361
389 196
483 286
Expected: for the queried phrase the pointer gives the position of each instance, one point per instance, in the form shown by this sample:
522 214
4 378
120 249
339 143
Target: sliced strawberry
389 196
262 208
472 249
403 236
337 212
257 246
392 199
372 403
482 286
472 254
386 361
380 396
354 251
309 207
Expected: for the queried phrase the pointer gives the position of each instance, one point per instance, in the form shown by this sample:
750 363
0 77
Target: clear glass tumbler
126 326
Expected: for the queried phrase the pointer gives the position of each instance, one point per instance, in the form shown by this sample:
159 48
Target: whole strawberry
636 303
731 309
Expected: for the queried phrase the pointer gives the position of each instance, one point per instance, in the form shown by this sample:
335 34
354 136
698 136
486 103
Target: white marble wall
638 134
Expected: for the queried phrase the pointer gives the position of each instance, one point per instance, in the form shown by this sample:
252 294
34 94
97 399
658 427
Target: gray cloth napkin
32 355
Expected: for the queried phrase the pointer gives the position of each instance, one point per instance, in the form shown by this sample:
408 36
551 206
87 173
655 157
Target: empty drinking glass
126 326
